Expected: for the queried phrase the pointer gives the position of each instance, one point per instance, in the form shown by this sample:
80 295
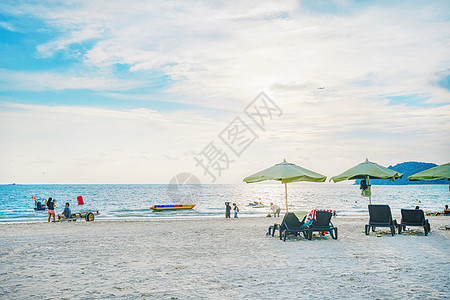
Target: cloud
53 81
233 51
98 145
8 26
101 145
220 55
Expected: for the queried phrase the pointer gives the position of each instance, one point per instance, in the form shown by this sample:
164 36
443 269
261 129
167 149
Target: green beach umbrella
285 172
367 170
435 173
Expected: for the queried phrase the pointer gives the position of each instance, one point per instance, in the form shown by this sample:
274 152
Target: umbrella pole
370 196
285 192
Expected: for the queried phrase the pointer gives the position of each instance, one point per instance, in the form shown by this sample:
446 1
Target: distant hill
408 168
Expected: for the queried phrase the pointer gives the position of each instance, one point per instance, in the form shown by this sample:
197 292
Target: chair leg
425 228
334 233
393 230
367 229
275 227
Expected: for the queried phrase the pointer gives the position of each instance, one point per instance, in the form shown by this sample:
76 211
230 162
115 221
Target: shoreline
199 217
270 220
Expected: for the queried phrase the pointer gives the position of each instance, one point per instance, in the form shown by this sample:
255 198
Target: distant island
408 168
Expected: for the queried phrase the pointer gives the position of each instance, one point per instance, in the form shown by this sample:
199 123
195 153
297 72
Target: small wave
131 210
129 215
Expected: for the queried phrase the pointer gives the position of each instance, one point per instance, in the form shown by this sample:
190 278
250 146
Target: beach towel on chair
312 215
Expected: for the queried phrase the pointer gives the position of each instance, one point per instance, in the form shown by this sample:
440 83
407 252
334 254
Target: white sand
218 258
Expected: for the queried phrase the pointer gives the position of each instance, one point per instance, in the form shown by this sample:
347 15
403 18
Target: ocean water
131 202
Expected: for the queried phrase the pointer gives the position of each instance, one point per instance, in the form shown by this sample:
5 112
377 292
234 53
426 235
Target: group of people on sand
228 210
65 214
275 209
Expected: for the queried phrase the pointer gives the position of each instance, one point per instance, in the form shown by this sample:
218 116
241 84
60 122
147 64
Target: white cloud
83 144
234 50
142 145
221 55
7 26
52 81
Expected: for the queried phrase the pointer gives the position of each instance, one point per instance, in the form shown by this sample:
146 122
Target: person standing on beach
276 209
236 210
51 208
227 210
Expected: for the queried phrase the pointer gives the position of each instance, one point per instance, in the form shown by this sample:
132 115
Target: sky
141 91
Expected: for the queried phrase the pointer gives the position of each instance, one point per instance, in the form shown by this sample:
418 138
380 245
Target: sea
133 201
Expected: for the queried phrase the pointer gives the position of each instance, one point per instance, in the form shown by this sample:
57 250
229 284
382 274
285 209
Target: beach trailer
88 215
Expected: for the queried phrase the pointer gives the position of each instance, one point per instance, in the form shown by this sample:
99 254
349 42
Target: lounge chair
322 223
380 216
413 217
275 227
291 224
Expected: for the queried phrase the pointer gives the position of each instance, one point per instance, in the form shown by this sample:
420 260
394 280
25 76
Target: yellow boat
172 207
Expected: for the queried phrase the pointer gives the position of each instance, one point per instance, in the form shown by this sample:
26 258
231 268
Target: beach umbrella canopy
285 172
367 170
435 173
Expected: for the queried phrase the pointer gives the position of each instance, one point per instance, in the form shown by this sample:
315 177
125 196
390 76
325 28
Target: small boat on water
257 204
43 207
172 207
38 205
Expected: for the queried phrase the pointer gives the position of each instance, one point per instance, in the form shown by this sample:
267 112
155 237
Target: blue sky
128 92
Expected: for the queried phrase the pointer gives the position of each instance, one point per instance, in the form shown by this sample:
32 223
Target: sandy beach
219 259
